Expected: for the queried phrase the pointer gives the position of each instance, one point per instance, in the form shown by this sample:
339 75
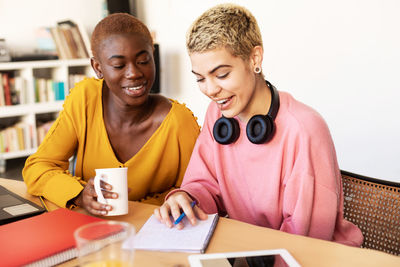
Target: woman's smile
224 103
135 91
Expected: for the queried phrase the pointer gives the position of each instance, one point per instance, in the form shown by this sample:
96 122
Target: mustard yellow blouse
79 130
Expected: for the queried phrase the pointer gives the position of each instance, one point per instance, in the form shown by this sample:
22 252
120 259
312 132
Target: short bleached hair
224 26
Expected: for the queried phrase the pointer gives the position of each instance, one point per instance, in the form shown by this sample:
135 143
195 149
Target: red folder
45 239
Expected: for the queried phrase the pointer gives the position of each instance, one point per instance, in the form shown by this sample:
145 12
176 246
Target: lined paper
157 236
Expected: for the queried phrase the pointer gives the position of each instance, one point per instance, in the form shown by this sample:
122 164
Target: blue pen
183 214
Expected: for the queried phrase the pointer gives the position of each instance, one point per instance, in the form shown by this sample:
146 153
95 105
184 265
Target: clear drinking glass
105 244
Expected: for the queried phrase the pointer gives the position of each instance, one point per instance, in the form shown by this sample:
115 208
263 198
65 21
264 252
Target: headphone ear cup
226 130
260 129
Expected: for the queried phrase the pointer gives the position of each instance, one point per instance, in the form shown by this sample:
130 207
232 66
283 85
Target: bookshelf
37 90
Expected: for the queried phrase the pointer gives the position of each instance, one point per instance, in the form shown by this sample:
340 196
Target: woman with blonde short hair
262 157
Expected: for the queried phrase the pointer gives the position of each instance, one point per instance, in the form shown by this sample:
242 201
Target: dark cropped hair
118 23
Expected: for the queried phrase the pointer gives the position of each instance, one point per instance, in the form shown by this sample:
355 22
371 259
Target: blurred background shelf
31 95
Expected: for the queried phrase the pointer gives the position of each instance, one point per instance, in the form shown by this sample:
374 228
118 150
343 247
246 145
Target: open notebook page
157 236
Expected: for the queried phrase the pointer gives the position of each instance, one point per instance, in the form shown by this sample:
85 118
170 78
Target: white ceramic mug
118 179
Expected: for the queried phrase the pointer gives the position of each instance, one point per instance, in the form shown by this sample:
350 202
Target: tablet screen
250 261
257 258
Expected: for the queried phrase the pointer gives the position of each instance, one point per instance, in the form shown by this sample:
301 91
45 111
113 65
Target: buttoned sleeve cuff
61 189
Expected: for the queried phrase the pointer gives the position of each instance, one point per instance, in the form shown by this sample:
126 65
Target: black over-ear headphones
259 129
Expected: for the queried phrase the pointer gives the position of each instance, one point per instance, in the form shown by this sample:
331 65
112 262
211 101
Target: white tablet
256 258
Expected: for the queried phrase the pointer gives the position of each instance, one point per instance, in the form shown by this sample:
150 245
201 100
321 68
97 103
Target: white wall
19 19
341 57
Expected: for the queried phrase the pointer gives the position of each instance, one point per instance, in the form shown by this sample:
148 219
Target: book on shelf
48 90
27 134
71 40
79 43
42 240
59 90
6 88
62 32
11 138
16 137
60 46
84 37
2 143
2 147
12 89
2 98
20 136
40 90
18 90
8 140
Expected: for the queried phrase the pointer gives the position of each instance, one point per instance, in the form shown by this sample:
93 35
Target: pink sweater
292 183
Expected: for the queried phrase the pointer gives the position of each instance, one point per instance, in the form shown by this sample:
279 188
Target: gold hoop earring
257 70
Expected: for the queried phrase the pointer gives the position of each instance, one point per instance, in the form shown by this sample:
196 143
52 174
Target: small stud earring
257 70
100 75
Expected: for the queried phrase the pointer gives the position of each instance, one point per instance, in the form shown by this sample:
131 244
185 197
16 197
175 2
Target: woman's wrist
74 202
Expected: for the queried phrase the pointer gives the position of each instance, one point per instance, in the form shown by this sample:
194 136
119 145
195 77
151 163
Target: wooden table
231 235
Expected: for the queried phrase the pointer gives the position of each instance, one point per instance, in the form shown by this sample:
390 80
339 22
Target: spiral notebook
43 240
194 239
